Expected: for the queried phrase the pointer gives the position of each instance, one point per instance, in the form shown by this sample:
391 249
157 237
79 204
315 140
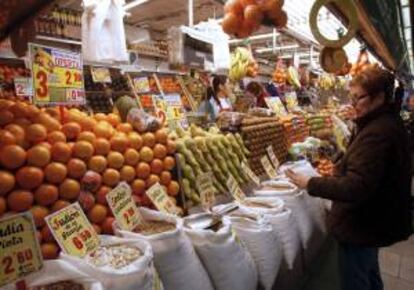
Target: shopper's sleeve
365 167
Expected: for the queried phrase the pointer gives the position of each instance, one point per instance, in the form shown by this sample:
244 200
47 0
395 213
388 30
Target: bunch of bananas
327 82
239 63
292 76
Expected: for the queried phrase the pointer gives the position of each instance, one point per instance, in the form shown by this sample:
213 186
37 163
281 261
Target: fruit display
258 134
50 158
320 125
243 17
325 167
201 151
279 74
242 64
7 75
345 112
113 256
169 84
295 127
327 82
292 77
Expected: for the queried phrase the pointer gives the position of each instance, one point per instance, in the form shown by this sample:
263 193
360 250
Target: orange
157 166
47 121
171 147
20 200
71 130
7 182
87 136
38 156
169 163
113 119
111 177
101 194
60 204
127 173
115 160
131 157
36 133
87 123
161 136
97 164
55 172
135 140
143 170
98 213
61 152
138 186
39 213
149 139
160 151
7 138
106 226
6 117
46 194
22 122
173 188
29 177
3 206
119 142
19 110
125 128
146 154
103 129
47 234
69 189
165 178
17 131
49 251
12 156
102 146
83 150
76 168
100 117
45 144
56 136
151 180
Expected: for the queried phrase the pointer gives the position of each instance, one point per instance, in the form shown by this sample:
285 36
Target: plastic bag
175 259
263 245
142 121
139 275
227 261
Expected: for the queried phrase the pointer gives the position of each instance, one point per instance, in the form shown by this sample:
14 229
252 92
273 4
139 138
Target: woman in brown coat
371 186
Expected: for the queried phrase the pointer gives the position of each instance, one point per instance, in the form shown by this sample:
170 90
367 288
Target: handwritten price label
273 157
161 200
250 173
206 189
123 206
20 253
235 189
271 172
73 231
23 87
101 75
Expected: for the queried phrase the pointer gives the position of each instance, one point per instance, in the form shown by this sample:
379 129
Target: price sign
161 199
291 101
141 85
276 105
23 87
250 173
271 172
175 109
206 189
235 189
19 248
57 76
273 157
73 231
101 75
123 207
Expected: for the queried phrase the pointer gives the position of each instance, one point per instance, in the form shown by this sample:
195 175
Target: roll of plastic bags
139 275
263 245
226 259
174 257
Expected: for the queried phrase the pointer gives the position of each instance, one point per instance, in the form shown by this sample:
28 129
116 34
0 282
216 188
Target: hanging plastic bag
175 259
138 275
227 261
142 122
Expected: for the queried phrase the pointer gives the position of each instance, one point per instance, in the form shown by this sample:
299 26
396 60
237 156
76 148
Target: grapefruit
69 189
20 200
146 154
171 147
161 136
7 138
160 151
173 188
12 156
97 163
102 146
101 194
131 157
119 143
61 152
111 177
17 131
98 213
87 136
7 182
165 178
149 139
157 166
115 160
83 150
29 177
56 136
60 204
135 140
127 173
55 172
169 163
71 130
138 187
143 170
46 194
76 168
151 180
49 251
39 213
36 133
124 128
38 156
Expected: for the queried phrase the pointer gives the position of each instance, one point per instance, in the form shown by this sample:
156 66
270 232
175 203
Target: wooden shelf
60 40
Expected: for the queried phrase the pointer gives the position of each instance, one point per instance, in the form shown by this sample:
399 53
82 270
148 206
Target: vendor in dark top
371 185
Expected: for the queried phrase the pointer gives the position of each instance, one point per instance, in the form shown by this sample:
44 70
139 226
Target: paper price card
73 231
141 85
19 248
23 87
273 157
161 199
123 206
101 75
271 172
250 173
235 189
57 76
206 189
276 105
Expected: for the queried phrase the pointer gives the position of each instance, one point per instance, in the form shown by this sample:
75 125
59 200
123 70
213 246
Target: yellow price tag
273 157
100 75
271 172
161 199
20 252
250 173
73 231
206 189
235 189
123 206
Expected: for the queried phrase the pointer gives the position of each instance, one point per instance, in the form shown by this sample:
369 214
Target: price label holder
271 172
19 248
23 87
250 173
123 207
101 75
73 231
273 157
235 190
206 189
161 200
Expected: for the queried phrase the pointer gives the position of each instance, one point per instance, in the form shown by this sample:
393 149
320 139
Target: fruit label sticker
271 172
206 189
273 157
19 248
161 200
250 173
123 207
101 75
73 231
57 76
235 189
23 87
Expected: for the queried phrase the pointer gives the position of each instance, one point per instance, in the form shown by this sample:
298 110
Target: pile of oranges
50 158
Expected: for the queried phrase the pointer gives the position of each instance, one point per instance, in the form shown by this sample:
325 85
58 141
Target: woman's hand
299 180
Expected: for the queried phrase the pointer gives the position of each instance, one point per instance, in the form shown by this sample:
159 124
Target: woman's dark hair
254 88
217 81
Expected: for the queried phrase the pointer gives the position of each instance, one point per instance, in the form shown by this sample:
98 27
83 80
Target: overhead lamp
255 37
134 3
270 49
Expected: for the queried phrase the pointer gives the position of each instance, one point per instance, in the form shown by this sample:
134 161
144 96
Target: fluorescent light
256 37
133 4
262 50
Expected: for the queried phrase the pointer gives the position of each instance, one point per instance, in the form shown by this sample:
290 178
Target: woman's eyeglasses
355 100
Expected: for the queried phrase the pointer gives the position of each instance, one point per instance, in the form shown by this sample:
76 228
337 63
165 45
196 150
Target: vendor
371 185
256 90
216 99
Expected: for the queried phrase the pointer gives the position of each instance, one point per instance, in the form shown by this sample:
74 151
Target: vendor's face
362 102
